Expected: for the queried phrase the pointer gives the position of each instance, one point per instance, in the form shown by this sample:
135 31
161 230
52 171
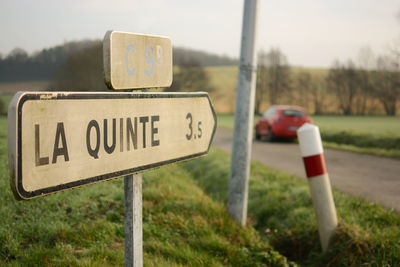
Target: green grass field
373 125
280 208
376 135
184 217
185 222
182 226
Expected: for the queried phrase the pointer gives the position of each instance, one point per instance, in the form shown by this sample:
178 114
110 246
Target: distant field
228 120
224 80
312 71
13 87
374 125
8 89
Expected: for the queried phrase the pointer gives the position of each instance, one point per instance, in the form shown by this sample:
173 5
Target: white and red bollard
320 187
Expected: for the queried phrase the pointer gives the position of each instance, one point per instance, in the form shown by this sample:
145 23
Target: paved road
375 178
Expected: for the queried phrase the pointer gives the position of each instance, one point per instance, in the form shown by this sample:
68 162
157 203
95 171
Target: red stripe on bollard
315 165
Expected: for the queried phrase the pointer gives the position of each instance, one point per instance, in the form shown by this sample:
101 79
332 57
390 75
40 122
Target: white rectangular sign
62 140
136 60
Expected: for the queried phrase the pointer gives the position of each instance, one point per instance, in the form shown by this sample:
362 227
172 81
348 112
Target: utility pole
243 130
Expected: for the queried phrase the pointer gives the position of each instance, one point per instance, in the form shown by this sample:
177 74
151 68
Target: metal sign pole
133 220
242 136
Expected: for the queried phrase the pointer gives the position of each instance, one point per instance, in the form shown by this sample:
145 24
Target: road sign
61 140
136 60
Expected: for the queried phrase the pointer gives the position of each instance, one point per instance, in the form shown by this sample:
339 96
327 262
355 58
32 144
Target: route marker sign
136 60
61 140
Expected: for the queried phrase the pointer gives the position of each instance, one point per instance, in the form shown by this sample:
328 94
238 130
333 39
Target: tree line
78 66
347 88
371 86
18 66
83 71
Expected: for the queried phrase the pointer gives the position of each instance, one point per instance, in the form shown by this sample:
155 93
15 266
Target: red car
281 121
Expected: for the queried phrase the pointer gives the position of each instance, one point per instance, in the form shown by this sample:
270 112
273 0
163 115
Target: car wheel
270 135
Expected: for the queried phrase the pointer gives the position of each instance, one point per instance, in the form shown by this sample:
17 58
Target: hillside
18 66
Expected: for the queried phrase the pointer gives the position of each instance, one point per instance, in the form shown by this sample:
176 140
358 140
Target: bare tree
344 82
366 63
387 83
276 74
304 86
18 54
82 71
318 92
190 76
262 81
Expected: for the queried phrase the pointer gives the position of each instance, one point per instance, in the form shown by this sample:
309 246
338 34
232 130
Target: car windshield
269 112
293 113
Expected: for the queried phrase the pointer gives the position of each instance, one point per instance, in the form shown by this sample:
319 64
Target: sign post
133 220
54 136
122 52
242 135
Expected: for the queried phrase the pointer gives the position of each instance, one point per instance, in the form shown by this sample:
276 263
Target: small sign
136 60
61 140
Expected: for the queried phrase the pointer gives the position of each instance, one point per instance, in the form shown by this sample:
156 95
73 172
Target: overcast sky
309 32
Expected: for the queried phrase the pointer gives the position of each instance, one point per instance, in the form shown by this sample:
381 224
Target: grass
182 226
280 208
228 120
374 135
374 125
381 152
363 125
185 223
